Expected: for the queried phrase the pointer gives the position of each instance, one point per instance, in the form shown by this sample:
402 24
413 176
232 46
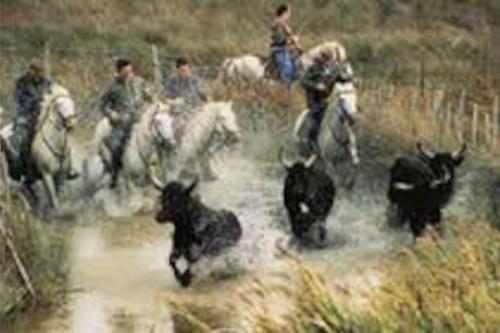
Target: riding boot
117 165
119 142
313 137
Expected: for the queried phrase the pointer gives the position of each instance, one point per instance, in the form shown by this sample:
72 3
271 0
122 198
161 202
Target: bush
43 251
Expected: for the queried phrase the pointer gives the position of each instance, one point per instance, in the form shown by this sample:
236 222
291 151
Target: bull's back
221 232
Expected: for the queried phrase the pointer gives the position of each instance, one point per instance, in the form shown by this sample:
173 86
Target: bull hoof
185 278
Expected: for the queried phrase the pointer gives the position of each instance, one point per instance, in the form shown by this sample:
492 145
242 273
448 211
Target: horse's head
227 124
162 128
59 99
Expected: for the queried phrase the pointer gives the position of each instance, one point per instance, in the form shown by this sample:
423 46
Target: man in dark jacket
123 99
318 82
183 84
28 95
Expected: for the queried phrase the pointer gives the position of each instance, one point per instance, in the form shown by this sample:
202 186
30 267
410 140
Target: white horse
50 150
152 138
248 68
206 132
338 51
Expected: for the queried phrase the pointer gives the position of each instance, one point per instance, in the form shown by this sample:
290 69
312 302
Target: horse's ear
191 187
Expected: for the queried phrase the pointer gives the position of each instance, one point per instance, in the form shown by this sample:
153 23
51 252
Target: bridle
48 116
158 141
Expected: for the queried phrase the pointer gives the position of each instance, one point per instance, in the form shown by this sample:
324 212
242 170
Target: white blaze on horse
152 137
50 150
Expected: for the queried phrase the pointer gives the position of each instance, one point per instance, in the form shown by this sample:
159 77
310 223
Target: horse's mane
54 92
146 115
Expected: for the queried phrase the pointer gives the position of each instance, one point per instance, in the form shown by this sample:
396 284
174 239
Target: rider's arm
105 103
309 80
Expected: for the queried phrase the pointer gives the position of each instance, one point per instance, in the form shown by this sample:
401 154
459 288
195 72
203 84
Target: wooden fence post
434 114
156 68
46 59
488 138
475 120
494 123
460 117
448 120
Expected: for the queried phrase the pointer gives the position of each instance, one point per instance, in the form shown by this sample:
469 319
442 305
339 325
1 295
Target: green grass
43 250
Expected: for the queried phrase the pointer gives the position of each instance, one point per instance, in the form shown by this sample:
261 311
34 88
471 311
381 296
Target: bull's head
443 164
297 172
306 164
175 198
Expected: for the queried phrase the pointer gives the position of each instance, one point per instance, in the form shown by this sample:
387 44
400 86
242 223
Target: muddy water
120 274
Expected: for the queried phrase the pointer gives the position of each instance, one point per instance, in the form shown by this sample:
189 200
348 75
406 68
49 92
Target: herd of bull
420 186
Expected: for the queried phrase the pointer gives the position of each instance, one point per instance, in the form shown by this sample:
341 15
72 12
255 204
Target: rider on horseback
120 103
318 83
28 95
284 46
184 85
30 91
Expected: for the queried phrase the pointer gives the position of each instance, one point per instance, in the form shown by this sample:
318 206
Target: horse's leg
50 187
207 170
353 147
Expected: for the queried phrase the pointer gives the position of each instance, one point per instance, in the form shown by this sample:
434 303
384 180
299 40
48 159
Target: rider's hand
114 117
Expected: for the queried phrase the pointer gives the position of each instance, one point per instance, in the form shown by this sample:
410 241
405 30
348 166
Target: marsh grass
43 250
435 285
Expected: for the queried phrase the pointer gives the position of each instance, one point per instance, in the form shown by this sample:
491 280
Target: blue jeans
316 114
285 63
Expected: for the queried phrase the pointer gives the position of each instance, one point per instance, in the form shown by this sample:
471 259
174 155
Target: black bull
308 194
199 230
421 185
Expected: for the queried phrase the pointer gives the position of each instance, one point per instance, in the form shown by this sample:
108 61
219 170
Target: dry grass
43 250
436 285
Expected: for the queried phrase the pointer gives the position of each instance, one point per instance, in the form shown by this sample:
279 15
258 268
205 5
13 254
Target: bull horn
403 186
310 161
157 183
459 153
424 151
286 163
192 186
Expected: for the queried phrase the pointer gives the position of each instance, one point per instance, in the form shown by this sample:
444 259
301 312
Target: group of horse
157 148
